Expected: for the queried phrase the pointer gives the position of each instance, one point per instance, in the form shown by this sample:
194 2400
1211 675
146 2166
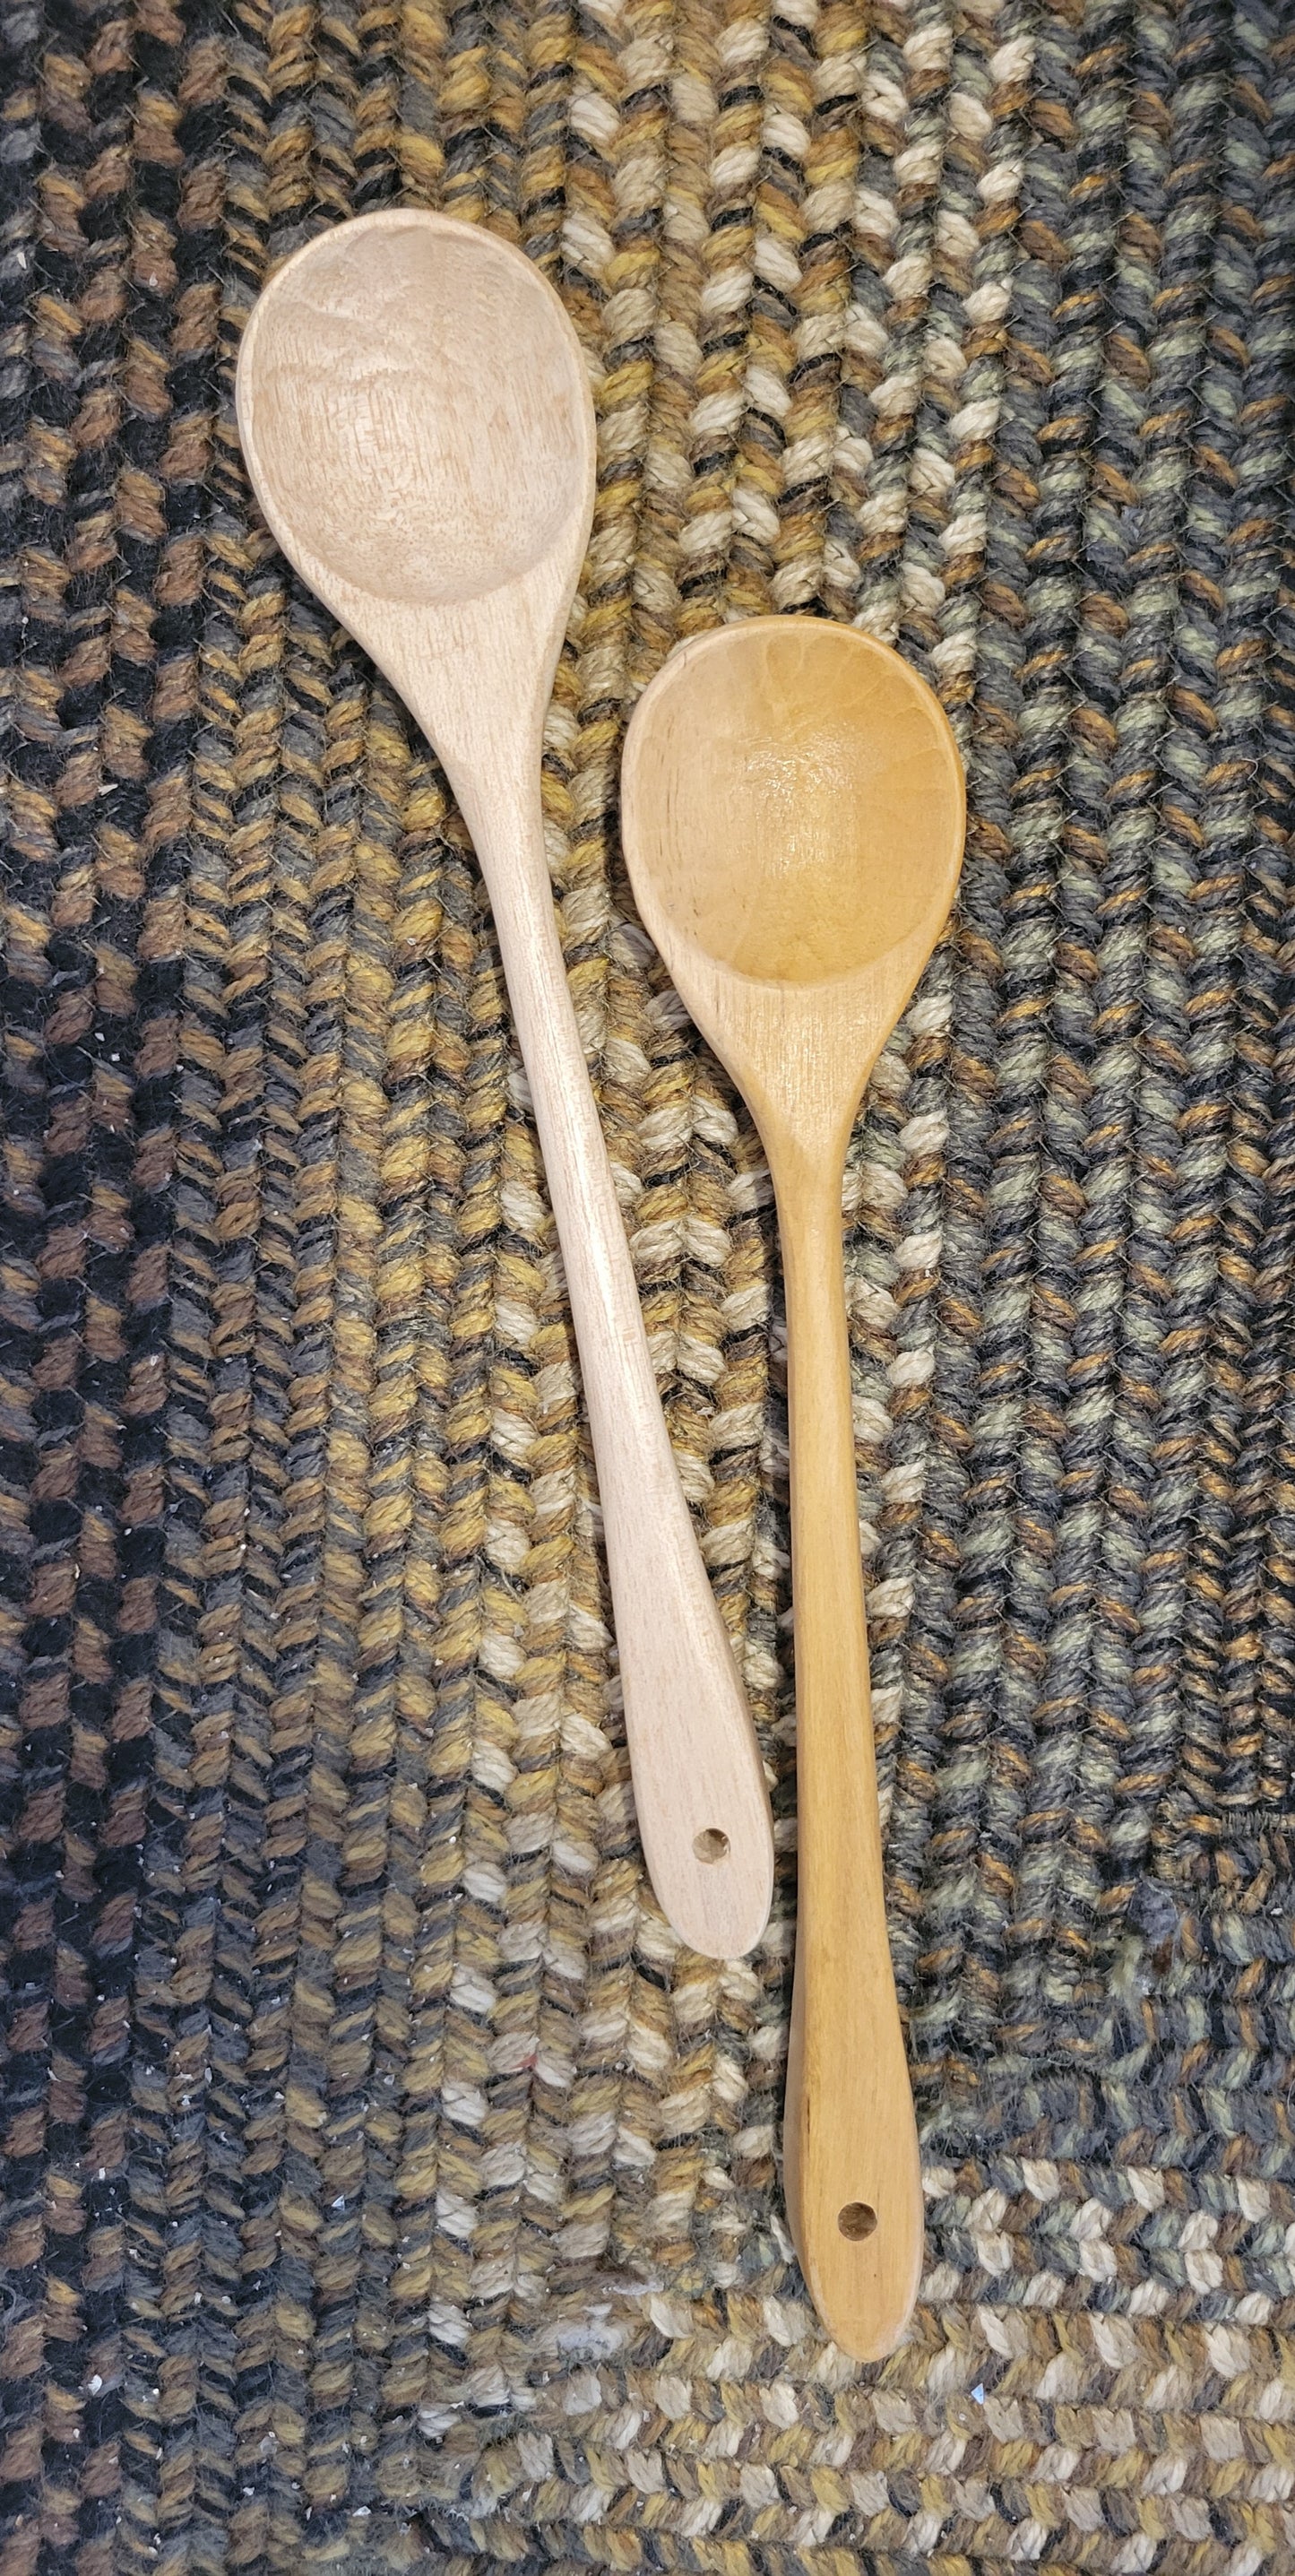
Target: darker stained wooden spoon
792 814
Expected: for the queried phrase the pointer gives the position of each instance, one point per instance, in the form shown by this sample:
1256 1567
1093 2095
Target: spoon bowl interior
413 402
804 799
793 811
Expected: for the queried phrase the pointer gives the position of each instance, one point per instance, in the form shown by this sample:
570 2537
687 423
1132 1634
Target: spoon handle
851 2169
699 1787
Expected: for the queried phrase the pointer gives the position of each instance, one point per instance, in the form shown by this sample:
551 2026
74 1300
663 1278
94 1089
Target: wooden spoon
792 814
417 422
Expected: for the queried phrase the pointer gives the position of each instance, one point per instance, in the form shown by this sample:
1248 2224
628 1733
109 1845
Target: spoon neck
820 1403
807 1169
810 1233
498 794
493 767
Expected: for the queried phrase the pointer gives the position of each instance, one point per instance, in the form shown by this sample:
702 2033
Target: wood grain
793 812
416 419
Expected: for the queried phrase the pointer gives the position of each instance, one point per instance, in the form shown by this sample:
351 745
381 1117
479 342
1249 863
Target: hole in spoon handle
856 2220
711 1845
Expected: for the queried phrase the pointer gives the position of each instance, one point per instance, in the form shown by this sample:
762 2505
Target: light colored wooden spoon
417 422
792 812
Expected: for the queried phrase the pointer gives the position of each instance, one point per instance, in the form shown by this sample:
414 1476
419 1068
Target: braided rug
386 2190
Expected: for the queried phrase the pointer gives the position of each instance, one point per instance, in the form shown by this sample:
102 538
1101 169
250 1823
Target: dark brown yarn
384 2188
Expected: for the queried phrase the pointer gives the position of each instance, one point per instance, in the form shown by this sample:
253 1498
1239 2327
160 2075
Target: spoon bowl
796 737
356 422
792 814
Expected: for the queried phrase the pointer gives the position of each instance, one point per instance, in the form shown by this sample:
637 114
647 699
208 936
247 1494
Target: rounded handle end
710 1858
699 1786
852 2178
